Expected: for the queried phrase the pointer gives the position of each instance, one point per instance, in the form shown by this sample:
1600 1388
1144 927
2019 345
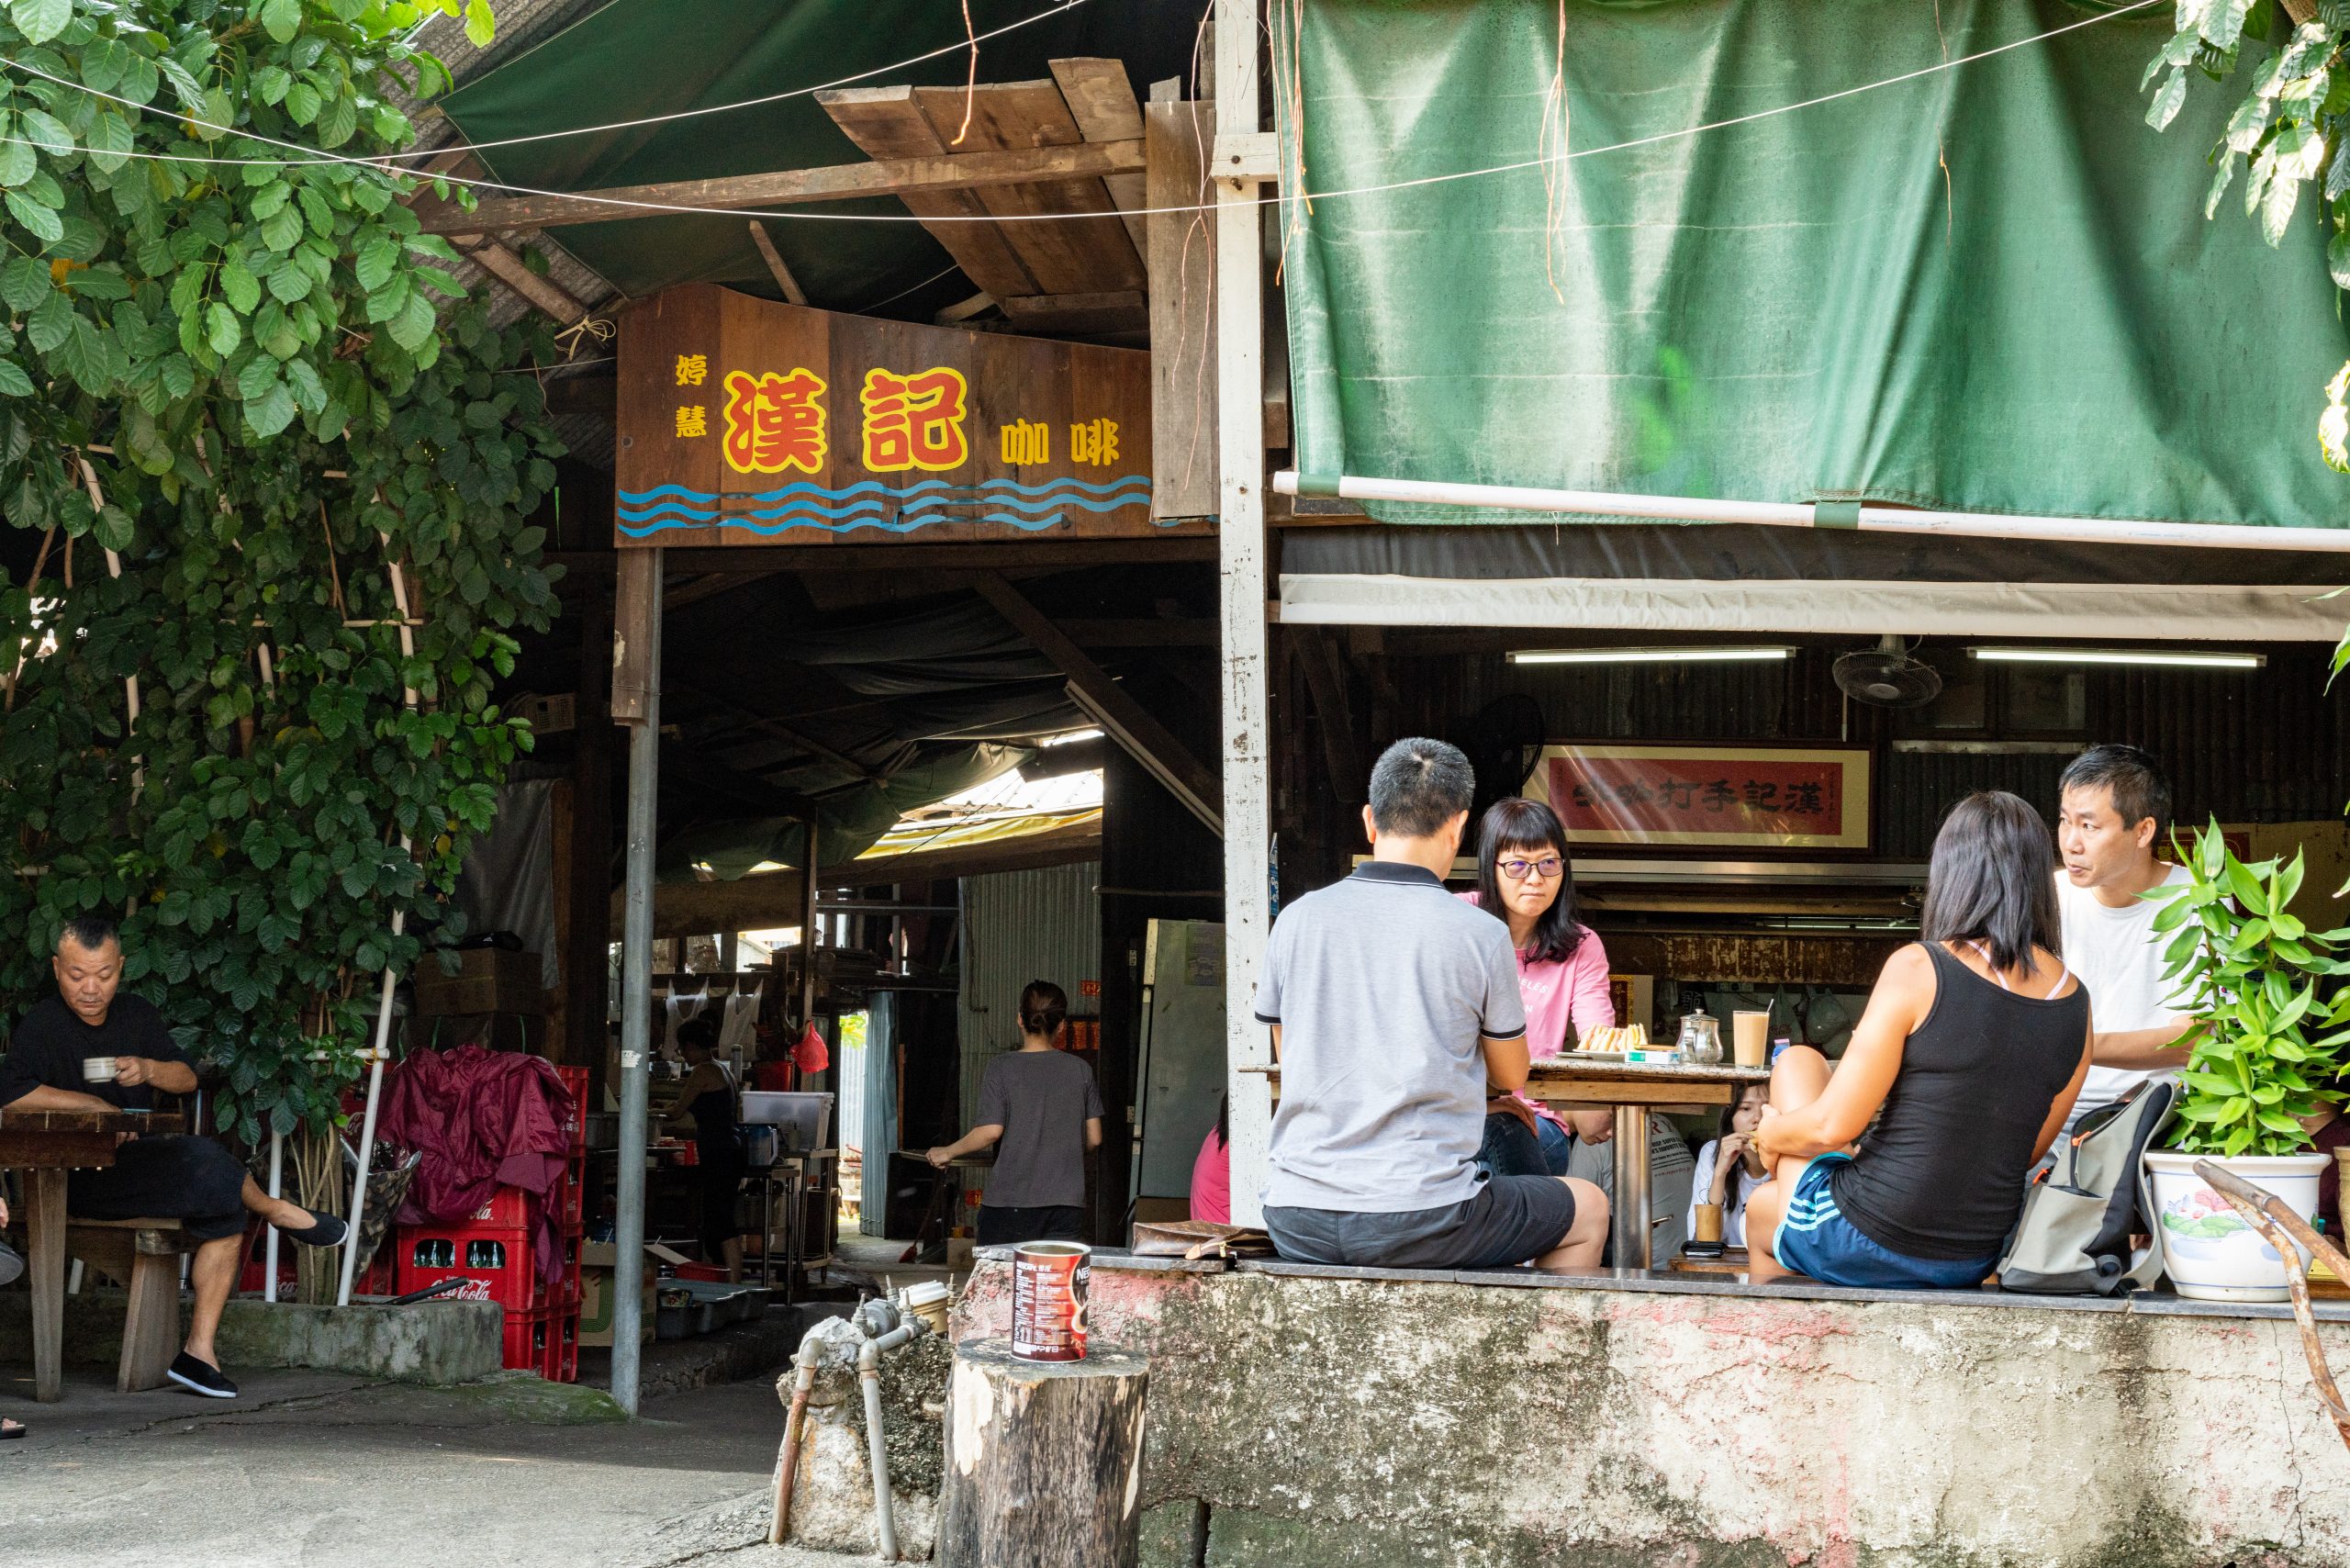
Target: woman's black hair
1224 1118
1530 826
700 1034
1729 1111
1993 879
1043 1005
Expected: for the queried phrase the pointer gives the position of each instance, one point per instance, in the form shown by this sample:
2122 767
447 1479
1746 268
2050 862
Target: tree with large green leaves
279 466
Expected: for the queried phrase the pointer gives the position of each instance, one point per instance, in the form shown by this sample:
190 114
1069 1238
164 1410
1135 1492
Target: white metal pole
276 1189
1862 517
1241 547
383 1047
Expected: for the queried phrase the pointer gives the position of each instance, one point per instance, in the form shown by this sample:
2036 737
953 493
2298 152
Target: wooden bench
143 1256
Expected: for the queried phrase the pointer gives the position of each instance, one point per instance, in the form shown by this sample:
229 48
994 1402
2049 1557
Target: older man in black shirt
192 1180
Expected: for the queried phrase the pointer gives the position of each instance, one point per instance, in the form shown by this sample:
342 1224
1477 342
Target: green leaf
13 382
416 324
377 259
24 283
50 323
222 329
110 142
270 83
113 528
281 18
259 375
44 132
17 163
2167 99
281 228
90 357
44 223
480 26
238 285
40 20
302 103
104 62
273 413
338 120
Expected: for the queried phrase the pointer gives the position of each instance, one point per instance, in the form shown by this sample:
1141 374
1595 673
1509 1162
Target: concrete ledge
437 1342
1327 1419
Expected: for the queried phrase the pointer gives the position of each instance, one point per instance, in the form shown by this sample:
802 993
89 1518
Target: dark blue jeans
1510 1150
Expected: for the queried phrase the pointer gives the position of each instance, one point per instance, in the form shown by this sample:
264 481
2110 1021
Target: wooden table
45 1145
1633 1091
1636 1091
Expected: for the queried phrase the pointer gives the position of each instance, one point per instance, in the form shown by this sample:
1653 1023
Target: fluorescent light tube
1645 655
2138 656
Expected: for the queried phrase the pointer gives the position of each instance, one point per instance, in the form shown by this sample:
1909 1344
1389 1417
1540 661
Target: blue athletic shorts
1815 1239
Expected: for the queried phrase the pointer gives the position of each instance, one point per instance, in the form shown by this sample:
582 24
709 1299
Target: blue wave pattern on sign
871 504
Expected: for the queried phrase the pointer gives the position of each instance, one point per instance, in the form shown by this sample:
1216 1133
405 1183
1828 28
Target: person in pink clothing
1212 1171
1526 878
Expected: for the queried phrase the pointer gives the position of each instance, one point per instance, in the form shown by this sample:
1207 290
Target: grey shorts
1511 1220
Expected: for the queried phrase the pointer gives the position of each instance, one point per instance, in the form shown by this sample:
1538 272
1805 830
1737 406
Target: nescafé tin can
1048 1283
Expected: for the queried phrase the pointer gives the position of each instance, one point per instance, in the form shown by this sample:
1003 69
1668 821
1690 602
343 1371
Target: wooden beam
636 609
1182 312
885 123
963 310
792 292
1089 686
789 188
759 560
1101 101
1122 312
509 269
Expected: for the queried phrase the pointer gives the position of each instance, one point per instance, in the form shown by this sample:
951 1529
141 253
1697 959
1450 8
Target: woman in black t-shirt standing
1975 1045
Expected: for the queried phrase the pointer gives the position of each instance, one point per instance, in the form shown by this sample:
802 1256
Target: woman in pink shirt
1524 877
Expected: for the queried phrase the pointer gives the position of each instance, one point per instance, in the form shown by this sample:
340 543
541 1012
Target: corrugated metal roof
1019 926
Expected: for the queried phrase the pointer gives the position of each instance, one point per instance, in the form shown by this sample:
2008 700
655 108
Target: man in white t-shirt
2113 805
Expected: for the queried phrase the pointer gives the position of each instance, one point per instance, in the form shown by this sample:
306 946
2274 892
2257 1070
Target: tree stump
1043 1459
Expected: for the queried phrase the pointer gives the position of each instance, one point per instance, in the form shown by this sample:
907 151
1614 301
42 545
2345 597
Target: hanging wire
803 214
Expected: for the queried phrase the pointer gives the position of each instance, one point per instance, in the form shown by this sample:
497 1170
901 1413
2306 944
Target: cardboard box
597 1260
489 980
959 1251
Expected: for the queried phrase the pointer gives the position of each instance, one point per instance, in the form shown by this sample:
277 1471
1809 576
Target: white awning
2102 612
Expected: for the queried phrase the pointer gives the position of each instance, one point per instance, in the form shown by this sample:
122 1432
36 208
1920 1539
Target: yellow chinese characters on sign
916 421
692 420
1094 442
1026 442
693 369
775 423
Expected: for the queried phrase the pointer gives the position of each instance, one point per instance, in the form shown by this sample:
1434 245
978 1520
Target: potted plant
2255 983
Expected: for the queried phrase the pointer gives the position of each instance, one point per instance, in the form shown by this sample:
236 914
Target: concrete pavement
311 1469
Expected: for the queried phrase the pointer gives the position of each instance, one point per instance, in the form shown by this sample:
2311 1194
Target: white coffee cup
97 1070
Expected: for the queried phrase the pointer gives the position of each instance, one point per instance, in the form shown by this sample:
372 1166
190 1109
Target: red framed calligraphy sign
1735 797
744 421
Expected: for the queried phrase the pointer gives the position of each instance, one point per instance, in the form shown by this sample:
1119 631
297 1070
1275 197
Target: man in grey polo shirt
1395 1013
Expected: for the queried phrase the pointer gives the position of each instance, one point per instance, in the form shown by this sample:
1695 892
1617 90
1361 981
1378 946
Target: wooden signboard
747 422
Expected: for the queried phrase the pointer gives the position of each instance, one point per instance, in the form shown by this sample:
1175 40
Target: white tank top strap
2063 970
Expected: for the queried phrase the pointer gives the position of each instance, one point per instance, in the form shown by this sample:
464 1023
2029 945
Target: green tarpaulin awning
1988 289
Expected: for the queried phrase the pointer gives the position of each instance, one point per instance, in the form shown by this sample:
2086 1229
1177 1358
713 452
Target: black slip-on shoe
12 1429
325 1230
12 1264
199 1377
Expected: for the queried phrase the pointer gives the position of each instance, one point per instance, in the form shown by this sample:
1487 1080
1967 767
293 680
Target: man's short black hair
1418 785
89 932
2138 787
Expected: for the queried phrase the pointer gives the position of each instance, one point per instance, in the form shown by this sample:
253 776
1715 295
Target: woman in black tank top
1974 1045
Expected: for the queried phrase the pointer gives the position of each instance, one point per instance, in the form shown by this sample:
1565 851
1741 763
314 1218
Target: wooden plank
1123 311
45 1222
884 123
636 605
786 187
1101 101
792 292
1182 311
1066 255
515 274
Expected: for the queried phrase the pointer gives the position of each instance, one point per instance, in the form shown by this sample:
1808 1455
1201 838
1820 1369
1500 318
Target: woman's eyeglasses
1549 866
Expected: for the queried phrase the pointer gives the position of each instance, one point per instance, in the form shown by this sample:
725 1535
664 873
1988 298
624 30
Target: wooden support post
45 1197
792 292
1128 723
1240 538
1044 1460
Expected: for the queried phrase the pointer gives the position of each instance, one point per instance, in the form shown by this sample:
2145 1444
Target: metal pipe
1863 517
1629 1216
277 1190
636 1014
868 1372
788 1464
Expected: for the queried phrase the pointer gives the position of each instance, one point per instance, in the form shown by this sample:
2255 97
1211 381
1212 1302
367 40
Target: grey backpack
2079 1217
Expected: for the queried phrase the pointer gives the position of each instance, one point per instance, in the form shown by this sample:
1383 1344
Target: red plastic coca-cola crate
559 1359
499 1267
525 1341
570 1194
576 1080
510 1208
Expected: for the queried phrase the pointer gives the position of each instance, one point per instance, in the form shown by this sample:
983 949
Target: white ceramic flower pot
2210 1252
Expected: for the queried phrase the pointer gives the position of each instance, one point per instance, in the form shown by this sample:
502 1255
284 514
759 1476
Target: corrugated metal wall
1018 927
